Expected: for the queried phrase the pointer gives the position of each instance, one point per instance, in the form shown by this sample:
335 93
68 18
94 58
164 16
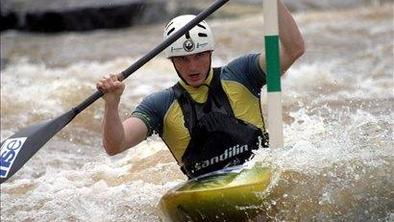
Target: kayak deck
221 196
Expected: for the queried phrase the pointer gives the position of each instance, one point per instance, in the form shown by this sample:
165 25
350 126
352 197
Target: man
210 119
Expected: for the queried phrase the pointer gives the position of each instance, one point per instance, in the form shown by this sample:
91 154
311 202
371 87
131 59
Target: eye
180 58
201 54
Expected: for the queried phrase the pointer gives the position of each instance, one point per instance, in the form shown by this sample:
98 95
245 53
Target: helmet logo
188 45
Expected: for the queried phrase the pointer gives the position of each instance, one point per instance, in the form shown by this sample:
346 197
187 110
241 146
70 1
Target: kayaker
211 118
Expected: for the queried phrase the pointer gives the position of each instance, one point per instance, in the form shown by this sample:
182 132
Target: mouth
194 76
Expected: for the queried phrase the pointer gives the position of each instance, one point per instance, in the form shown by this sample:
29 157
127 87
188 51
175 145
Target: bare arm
118 136
292 42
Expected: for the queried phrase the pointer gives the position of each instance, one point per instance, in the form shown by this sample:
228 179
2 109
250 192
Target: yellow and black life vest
218 138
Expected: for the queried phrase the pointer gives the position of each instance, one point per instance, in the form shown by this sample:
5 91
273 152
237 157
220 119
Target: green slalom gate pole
275 125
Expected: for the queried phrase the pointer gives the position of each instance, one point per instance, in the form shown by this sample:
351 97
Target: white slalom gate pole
275 125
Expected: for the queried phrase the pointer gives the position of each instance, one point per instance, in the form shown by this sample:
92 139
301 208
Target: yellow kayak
228 195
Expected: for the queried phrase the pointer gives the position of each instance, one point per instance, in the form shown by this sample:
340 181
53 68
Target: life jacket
218 138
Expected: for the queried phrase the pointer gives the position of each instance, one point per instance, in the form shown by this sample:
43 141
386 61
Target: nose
193 64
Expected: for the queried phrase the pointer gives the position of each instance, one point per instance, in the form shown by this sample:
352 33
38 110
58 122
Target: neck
206 82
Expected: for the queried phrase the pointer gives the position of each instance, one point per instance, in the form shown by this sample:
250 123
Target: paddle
20 147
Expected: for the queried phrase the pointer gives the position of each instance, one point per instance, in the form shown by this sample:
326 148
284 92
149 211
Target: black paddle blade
20 147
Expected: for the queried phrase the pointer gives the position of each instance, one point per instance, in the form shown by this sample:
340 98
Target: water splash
337 164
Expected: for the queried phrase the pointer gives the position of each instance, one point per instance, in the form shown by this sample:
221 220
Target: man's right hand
111 87
117 135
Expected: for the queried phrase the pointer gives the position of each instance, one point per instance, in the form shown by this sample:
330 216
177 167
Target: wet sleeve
152 110
246 70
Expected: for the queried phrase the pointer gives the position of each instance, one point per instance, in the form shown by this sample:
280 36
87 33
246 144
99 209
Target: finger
114 77
109 80
100 86
103 82
107 84
118 85
115 81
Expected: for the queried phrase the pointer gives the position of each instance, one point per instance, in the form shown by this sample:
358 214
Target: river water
337 164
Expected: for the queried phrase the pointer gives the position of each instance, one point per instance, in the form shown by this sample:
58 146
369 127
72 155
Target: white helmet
198 39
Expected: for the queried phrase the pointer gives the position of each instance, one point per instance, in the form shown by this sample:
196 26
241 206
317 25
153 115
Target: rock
9 20
82 15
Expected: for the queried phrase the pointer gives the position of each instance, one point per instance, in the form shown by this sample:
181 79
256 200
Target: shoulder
244 59
245 63
246 66
246 71
162 94
153 108
159 100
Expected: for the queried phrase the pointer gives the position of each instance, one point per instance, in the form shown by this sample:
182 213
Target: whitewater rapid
338 103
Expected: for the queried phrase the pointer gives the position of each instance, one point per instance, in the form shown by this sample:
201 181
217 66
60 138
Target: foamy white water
336 166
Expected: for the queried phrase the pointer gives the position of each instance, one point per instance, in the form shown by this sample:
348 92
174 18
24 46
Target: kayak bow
226 195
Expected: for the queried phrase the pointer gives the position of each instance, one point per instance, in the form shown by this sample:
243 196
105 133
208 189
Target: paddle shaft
126 73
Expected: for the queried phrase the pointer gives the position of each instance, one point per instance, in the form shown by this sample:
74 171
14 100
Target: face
193 68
